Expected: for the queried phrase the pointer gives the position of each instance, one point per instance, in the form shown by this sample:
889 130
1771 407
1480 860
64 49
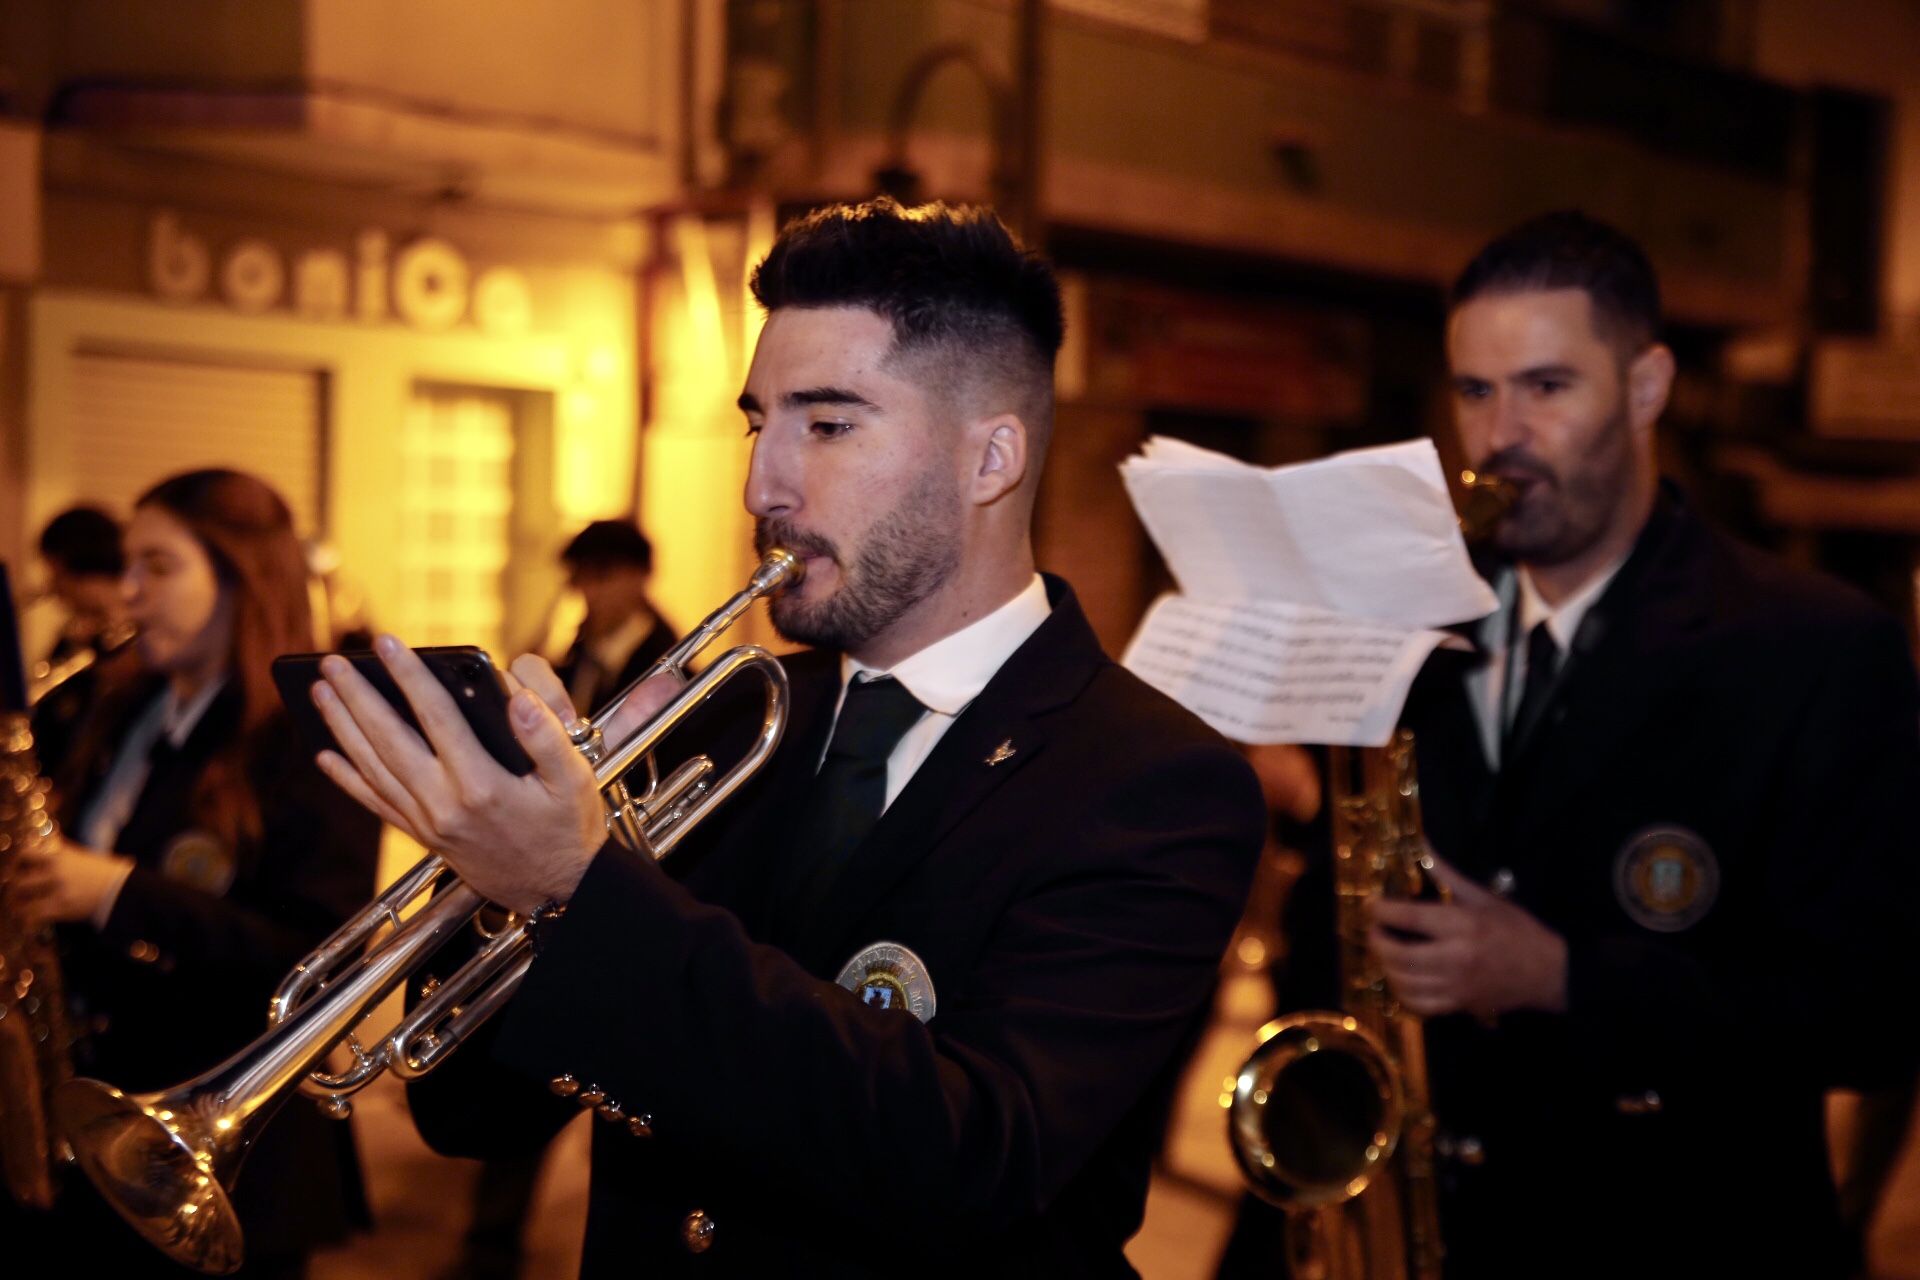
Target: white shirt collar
611 651
1563 622
178 719
949 673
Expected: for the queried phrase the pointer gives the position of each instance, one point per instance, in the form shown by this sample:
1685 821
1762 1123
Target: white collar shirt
606 658
112 807
947 675
1494 687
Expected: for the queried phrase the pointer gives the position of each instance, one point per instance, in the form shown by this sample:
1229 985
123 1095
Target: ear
1649 383
999 456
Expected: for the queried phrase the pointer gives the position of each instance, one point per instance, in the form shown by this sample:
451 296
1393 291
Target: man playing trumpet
914 1003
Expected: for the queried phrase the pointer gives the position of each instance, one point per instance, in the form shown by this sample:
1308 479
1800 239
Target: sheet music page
1263 672
1370 533
1309 594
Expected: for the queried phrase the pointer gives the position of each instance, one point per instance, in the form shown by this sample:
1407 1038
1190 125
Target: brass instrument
1330 1118
46 676
36 1041
166 1160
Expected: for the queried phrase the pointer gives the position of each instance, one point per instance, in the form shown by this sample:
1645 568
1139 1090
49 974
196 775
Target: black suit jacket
652 646
1671 1121
1070 902
180 977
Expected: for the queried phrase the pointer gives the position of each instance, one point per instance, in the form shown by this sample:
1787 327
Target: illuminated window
455 498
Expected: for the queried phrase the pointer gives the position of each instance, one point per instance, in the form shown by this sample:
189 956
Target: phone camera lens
467 690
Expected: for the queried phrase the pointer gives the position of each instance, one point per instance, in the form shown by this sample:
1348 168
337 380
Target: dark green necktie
851 788
1543 658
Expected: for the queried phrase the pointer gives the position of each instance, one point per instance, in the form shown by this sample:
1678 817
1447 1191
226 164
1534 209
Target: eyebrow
749 403
1564 372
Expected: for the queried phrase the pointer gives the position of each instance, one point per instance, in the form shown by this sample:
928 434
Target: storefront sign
427 284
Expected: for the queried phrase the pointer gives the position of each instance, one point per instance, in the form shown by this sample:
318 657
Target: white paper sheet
1264 672
1369 534
1309 594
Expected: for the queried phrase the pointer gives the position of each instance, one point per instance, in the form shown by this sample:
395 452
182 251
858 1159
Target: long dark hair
246 530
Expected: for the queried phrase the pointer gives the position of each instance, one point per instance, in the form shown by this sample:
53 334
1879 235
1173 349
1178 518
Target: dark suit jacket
1071 904
652 645
1671 1121
180 977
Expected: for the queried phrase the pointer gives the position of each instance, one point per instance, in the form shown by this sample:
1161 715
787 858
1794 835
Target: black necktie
1543 656
851 787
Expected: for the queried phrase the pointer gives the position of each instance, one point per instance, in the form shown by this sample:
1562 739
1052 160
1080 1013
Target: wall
1872 46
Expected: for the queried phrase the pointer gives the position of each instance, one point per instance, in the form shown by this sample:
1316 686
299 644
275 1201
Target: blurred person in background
610 563
202 856
80 548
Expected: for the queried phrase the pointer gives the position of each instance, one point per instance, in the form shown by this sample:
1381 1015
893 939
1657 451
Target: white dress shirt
1494 687
949 674
113 805
606 658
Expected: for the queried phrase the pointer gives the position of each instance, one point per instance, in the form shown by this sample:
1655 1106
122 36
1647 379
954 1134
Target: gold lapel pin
1001 753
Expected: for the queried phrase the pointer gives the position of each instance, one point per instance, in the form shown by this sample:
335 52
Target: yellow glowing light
223 1124
1226 1100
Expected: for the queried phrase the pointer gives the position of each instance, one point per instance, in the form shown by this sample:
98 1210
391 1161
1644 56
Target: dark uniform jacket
652 646
1713 812
199 937
1068 863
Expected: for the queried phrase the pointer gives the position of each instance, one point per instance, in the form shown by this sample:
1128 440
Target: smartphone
466 672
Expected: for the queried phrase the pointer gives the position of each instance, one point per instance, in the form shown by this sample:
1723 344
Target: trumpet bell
1316 1111
161 1170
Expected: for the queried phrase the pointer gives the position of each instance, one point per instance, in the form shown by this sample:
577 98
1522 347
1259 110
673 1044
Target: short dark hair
84 540
944 275
605 544
1569 250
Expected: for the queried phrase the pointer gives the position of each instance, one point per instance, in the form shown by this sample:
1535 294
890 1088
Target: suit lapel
746 866
1621 664
997 736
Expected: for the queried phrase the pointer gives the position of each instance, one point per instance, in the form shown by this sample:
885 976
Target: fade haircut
960 292
1569 250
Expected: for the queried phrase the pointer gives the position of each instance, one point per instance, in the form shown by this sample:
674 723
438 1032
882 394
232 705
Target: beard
908 554
1563 512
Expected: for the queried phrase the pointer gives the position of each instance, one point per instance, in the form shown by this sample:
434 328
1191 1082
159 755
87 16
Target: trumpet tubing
166 1160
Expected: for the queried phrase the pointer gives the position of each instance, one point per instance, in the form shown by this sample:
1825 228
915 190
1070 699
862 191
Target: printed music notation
1308 593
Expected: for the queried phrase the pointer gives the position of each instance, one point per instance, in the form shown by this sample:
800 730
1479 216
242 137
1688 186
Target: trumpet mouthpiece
779 569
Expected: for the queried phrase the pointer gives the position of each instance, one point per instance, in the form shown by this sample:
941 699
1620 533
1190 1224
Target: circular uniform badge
1666 878
890 976
199 859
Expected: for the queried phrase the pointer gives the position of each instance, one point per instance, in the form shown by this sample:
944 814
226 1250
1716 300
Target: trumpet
167 1160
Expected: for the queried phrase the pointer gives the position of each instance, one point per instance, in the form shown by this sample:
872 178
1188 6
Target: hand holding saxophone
61 882
1478 953
519 841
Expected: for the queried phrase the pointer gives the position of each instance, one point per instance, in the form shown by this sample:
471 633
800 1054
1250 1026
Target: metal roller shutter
138 419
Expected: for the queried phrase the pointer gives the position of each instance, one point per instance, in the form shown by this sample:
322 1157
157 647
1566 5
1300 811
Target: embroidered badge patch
1666 879
200 860
890 976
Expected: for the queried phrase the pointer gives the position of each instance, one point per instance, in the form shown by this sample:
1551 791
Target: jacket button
1638 1104
591 1096
565 1086
641 1126
696 1231
143 951
611 1112
1470 1152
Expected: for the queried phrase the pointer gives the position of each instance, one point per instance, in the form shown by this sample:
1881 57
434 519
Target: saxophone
1330 1117
36 1042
